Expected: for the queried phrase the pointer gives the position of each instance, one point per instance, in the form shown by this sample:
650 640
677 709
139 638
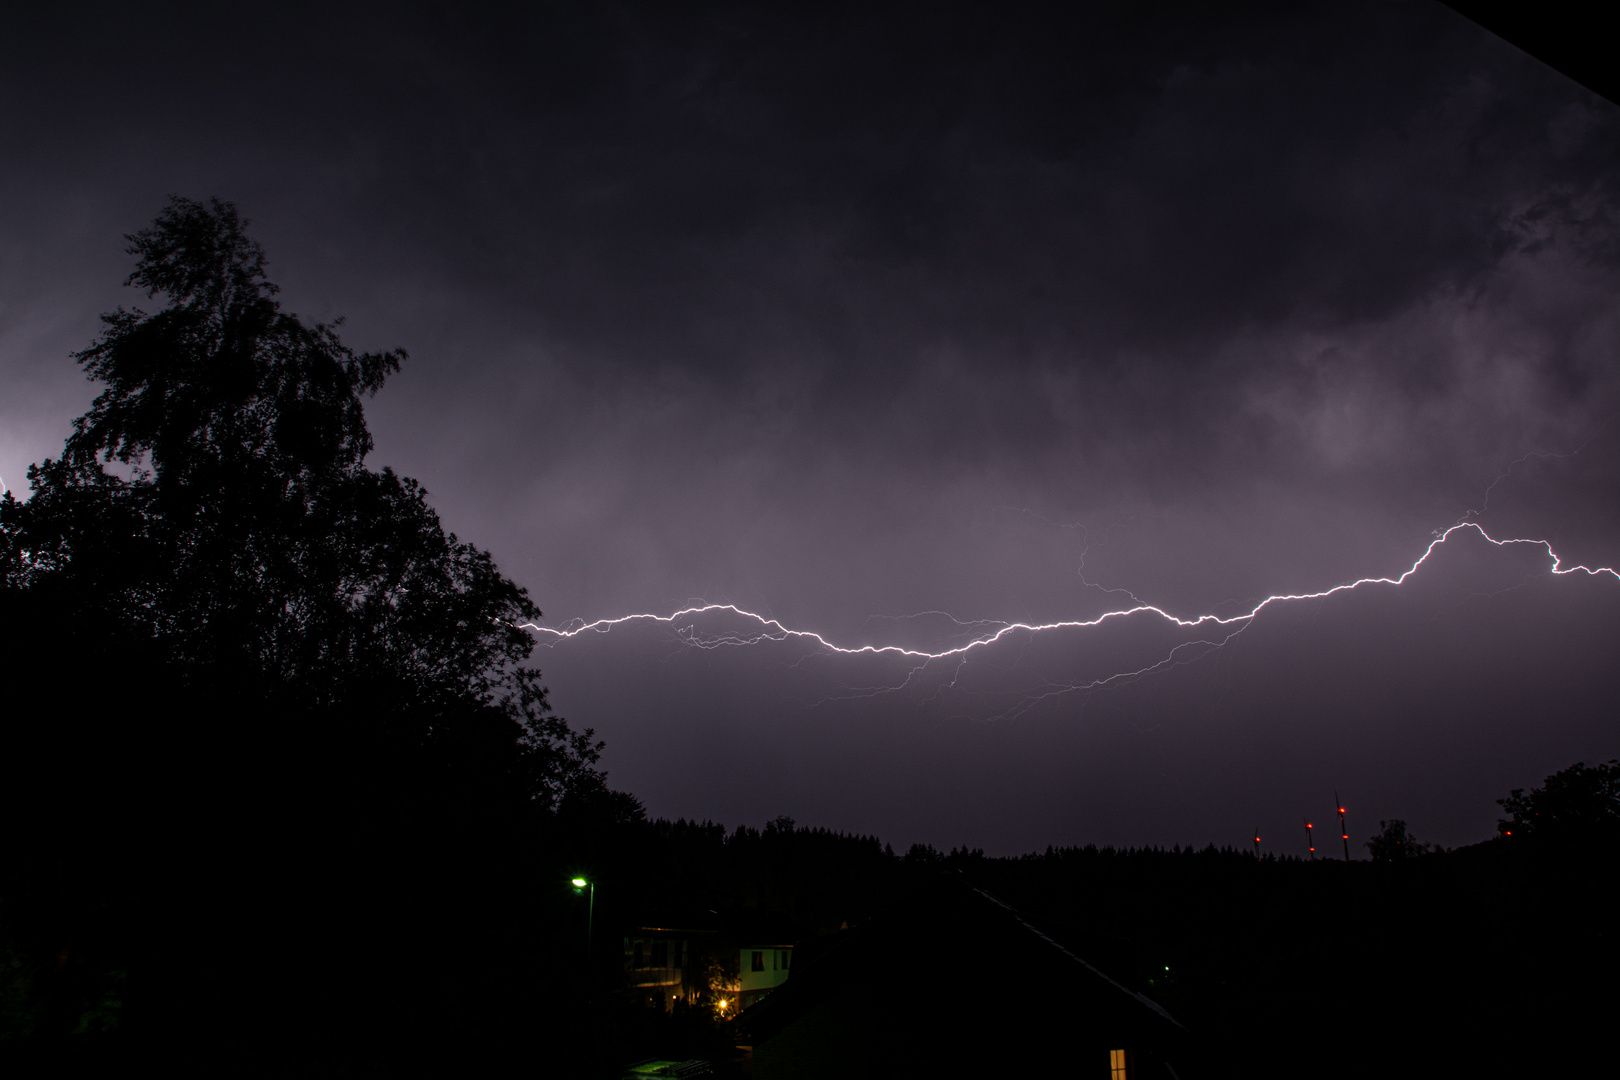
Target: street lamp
581 885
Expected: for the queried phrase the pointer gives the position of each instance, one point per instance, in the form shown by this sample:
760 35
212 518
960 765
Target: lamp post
580 886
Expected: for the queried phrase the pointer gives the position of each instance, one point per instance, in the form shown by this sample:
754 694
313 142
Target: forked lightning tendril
770 629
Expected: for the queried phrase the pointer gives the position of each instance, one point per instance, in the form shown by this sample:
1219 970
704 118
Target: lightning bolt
1214 630
772 630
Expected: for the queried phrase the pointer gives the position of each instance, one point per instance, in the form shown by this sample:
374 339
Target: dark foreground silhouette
1487 960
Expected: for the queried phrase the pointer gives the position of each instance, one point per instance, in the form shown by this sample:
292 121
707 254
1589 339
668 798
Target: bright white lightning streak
772 630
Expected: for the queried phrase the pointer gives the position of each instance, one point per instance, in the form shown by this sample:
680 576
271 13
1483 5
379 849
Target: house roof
746 927
948 939
1031 928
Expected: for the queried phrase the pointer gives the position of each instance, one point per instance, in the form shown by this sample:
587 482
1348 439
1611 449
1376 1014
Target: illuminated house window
759 961
1116 1065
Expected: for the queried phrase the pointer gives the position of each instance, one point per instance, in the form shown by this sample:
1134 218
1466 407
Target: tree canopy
268 706
1578 804
246 532
1394 844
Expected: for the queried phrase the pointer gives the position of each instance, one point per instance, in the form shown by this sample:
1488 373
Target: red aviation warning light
1310 839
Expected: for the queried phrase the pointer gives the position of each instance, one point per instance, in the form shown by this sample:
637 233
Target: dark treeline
280 793
818 878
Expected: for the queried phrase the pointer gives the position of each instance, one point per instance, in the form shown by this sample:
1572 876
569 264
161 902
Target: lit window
759 961
1116 1065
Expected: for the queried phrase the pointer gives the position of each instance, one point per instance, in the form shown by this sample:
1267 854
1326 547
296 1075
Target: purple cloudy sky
851 314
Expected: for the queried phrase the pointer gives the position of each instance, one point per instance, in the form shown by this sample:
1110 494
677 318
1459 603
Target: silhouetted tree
248 533
1577 804
1394 843
275 718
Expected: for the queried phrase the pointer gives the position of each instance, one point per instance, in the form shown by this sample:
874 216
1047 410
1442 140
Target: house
953 982
729 961
757 948
658 965
761 968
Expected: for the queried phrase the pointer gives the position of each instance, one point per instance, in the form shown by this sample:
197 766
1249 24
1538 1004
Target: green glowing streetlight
581 885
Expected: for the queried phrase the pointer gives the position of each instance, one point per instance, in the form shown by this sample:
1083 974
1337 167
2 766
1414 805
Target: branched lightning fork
772 630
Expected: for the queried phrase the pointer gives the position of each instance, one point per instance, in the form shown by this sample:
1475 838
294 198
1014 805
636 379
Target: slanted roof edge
1027 925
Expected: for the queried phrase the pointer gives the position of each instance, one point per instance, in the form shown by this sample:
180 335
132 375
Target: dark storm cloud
708 186
857 311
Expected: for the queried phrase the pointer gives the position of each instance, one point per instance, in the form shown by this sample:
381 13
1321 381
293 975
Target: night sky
898 323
